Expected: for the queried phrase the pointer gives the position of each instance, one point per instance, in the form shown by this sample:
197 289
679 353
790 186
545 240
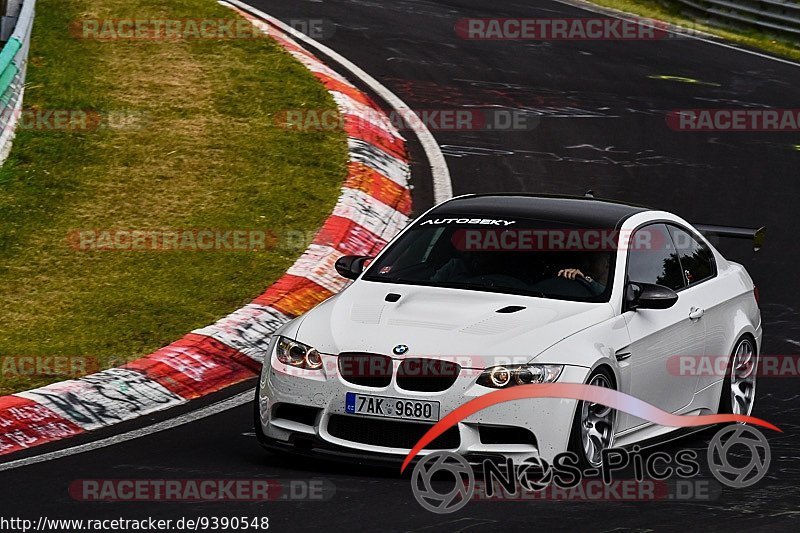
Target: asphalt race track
599 109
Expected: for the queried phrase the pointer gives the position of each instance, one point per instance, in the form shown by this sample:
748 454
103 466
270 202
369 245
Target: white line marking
442 186
209 410
618 13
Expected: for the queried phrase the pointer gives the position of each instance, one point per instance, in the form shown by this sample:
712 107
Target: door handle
695 313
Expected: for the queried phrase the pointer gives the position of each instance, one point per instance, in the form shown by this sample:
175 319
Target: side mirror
649 296
351 266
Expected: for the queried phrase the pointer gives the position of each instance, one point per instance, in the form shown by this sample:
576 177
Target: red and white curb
373 207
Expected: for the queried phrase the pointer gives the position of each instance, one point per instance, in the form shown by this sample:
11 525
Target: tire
739 386
588 417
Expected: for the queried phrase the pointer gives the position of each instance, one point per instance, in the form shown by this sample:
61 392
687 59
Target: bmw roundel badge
400 349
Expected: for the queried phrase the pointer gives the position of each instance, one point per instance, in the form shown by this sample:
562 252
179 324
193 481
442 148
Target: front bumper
316 422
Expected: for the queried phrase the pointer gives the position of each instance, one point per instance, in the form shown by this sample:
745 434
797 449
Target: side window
697 260
653 259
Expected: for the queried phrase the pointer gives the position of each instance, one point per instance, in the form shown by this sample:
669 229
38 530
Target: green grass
202 151
676 14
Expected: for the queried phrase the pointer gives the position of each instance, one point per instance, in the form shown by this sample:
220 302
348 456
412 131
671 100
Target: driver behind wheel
596 272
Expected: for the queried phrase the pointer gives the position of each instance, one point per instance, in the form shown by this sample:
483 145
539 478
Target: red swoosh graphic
576 391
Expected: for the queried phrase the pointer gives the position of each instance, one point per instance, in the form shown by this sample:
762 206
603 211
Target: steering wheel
586 284
565 287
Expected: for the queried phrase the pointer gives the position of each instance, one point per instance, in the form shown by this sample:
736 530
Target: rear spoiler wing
756 235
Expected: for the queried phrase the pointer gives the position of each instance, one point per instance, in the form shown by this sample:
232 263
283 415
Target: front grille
297 413
369 370
426 375
389 433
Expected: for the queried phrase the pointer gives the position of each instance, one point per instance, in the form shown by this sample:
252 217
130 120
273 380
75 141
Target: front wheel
593 425
739 386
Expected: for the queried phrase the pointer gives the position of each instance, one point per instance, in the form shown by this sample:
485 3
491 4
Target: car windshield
526 257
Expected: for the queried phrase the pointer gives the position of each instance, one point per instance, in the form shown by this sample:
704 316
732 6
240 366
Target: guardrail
776 16
13 66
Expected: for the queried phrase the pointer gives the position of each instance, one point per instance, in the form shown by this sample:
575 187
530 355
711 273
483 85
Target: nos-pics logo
738 456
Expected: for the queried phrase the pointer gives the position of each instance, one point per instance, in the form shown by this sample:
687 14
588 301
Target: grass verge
676 14
196 148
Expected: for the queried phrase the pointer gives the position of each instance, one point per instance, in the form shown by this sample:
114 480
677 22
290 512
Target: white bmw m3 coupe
485 292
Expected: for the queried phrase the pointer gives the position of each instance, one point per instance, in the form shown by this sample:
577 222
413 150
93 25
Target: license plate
364 404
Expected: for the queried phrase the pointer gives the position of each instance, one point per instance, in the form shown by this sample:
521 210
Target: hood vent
510 309
366 314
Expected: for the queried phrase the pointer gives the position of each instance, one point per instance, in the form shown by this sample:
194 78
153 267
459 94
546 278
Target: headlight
297 354
498 377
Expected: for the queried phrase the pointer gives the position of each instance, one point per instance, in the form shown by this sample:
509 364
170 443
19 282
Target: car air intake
426 375
366 369
388 433
506 435
297 413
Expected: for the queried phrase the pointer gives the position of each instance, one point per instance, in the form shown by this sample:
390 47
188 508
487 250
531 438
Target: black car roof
583 211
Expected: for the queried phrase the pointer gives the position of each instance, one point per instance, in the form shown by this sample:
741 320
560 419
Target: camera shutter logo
459 493
723 448
534 474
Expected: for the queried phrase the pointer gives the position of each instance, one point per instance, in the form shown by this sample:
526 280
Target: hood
444 322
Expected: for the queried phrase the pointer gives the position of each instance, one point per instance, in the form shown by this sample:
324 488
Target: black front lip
312 447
